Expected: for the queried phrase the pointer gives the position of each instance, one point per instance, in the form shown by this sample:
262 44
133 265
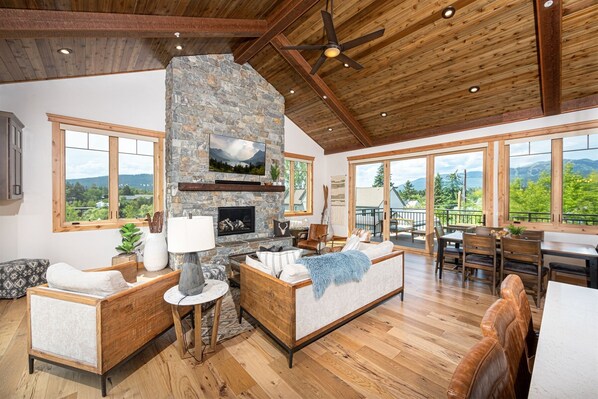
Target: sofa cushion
352 244
294 273
66 277
377 250
277 260
256 264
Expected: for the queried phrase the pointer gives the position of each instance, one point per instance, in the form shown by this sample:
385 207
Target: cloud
239 149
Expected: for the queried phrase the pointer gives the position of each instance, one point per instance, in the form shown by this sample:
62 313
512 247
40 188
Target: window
104 175
553 181
298 182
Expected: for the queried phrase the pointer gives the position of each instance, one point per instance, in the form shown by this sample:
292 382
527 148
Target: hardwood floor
399 349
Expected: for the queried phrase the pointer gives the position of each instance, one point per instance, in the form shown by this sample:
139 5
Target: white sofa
290 313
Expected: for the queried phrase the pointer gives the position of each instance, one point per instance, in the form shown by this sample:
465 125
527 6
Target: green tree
408 192
379 178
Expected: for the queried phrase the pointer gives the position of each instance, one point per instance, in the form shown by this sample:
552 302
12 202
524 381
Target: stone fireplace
235 220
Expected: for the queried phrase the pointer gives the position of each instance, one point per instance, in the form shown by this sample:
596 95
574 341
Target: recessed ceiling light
346 65
330 129
292 91
179 47
448 12
177 34
548 4
383 114
324 97
65 50
474 89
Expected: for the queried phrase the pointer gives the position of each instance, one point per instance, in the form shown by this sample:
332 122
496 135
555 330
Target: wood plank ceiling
418 73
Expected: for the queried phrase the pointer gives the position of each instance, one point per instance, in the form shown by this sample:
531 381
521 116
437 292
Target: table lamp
189 235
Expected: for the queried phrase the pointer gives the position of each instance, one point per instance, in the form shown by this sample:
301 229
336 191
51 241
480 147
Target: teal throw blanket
339 267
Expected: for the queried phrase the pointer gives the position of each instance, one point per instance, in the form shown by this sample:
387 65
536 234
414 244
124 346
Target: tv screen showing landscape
232 155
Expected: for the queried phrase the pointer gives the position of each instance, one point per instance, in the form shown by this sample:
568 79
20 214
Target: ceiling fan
334 49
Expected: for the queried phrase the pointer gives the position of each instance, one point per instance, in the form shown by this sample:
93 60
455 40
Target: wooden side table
214 290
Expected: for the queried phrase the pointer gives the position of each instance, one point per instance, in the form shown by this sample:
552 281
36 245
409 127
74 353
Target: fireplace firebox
236 220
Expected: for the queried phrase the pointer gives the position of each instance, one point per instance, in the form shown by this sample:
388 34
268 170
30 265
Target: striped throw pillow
277 260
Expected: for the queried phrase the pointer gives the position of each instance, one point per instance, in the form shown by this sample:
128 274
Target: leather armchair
316 236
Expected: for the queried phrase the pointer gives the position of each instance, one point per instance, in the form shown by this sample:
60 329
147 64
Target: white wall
337 163
296 141
133 99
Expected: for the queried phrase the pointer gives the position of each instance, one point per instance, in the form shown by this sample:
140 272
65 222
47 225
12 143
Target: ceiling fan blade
305 47
330 32
318 64
363 39
349 61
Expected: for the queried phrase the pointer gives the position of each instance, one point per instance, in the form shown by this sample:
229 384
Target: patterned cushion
281 229
18 275
277 260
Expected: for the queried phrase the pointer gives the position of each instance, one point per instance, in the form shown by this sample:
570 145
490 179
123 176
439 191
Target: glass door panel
407 197
369 198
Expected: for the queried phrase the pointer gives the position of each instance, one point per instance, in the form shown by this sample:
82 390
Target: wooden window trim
556 196
288 156
59 171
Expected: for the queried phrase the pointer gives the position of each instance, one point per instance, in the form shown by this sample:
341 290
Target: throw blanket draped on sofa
340 268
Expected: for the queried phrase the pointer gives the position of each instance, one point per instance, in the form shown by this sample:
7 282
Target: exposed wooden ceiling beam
296 60
549 34
278 21
17 23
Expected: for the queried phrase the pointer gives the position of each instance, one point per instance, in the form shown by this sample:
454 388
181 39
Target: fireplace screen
236 220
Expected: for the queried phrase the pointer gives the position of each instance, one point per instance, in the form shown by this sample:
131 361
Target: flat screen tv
232 155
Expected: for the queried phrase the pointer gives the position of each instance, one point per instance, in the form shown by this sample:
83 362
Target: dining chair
450 252
501 323
315 239
532 235
566 268
482 373
524 258
479 253
513 291
485 230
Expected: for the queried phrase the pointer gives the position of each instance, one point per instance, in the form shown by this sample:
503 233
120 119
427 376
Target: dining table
567 355
554 248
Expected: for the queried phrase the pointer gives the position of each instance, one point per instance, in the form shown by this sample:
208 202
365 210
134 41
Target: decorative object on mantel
275 173
155 252
229 187
189 235
131 240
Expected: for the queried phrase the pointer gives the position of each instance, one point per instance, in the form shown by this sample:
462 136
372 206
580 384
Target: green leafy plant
274 171
515 230
131 239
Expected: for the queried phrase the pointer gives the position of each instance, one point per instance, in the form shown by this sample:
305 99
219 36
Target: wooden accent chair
479 252
482 373
453 253
513 291
524 258
502 324
532 235
315 239
486 230
566 268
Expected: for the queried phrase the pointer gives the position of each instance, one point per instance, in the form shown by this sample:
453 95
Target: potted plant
515 231
131 240
155 252
275 172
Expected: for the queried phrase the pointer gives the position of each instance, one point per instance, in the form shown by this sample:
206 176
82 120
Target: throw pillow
65 277
256 264
352 244
377 250
294 273
282 229
277 260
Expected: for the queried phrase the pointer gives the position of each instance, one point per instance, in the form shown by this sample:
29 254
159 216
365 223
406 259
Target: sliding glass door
369 198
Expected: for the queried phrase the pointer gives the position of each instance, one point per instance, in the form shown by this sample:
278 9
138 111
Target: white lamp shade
190 235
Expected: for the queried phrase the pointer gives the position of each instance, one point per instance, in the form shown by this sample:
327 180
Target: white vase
155 253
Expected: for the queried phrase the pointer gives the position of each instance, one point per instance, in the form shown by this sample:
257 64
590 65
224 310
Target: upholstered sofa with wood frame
95 334
294 318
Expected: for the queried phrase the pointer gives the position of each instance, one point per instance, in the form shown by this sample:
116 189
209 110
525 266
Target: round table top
213 290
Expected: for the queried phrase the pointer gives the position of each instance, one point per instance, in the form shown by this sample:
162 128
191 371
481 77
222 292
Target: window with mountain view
105 178
580 180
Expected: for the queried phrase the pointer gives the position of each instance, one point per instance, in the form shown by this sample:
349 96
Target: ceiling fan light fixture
474 89
448 12
332 51
65 51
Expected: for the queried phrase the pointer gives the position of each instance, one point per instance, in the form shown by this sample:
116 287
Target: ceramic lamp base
191 281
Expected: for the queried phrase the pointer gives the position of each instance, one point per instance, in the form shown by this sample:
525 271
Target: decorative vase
155 254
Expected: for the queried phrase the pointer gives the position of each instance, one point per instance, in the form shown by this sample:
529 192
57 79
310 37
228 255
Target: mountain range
223 156
526 173
141 181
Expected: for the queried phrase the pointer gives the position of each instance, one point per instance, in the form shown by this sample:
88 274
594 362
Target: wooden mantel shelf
229 187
